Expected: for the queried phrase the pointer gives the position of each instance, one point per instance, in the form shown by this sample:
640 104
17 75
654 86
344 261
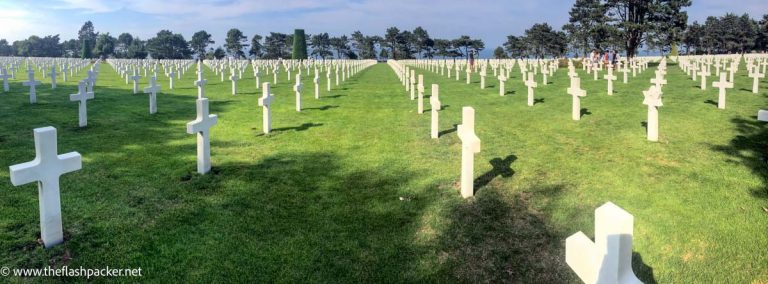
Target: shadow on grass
711 102
538 101
584 112
495 238
303 127
751 148
448 131
501 167
322 108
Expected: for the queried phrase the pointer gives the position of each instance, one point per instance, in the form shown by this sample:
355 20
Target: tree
256 46
321 45
87 37
35 46
692 37
445 48
405 45
390 41
422 43
124 41
219 53
588 26
6 49
340 45
199 42
384 54
365 46
234 43
167 45
516 46
276 45
761 42
137 49
634 18
499 53
299 45
464 43
105 45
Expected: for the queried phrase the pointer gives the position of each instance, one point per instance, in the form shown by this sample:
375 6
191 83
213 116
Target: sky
490 20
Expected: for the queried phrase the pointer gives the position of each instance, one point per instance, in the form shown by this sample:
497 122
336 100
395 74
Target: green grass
352 189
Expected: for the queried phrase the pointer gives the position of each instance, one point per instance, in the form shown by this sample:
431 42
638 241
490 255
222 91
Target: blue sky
491 20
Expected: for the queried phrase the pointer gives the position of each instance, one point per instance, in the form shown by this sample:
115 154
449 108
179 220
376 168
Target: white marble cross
297 88
576 91
31 83
420 90
202 127
152 91
502 80
234 77
659 80
470 145
482 78
64 70
531 84
610 77
756 76
653 101
435 105
90 81
316 81
82 98
609 258
704 73
53 77
722 85
46 169
4 76
265 102
135 79
413 83
200 83
544 73
170 78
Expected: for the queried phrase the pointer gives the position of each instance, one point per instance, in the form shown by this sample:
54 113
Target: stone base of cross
609 258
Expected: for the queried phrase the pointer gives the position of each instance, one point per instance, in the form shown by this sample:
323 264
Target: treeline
727 34
394 44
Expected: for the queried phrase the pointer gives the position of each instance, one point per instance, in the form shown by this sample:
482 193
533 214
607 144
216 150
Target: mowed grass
352 189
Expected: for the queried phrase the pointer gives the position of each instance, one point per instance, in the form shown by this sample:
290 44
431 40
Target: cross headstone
298 87
659 80
756 76
502 80
234 77
316 81
610 77
413 84
200 83
202 127
170 79
4 76
420 90
135 79
435 106
53 77
609 258
470 145
82 98
152 91
46 169
653 101
31 83
265 102
576 91
531 84
722 85
704 73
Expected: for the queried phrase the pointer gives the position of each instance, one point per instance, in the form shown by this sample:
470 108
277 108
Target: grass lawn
352 189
